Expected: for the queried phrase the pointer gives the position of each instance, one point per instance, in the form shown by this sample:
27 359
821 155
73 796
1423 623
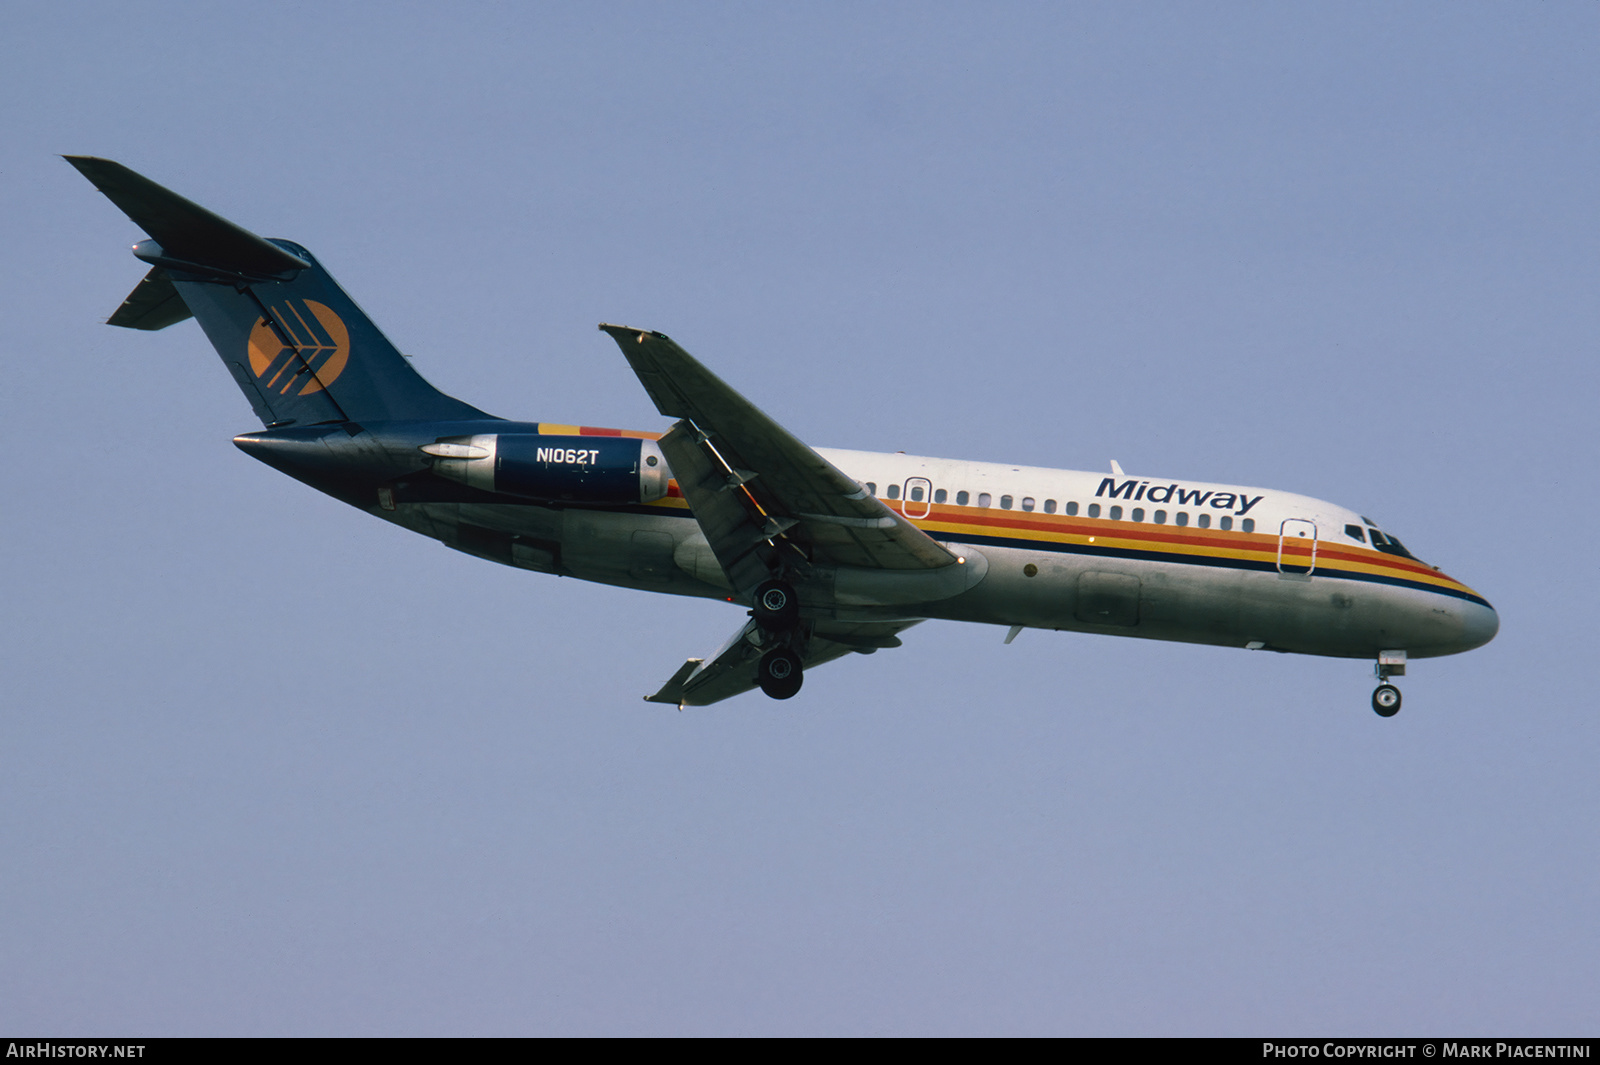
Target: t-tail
301 351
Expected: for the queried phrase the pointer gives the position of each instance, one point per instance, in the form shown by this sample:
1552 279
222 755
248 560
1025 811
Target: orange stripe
1210 543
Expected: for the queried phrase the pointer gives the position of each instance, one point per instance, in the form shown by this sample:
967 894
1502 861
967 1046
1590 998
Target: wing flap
834 519
724 517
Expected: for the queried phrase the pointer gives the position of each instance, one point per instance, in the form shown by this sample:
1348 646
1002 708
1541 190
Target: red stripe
1264 542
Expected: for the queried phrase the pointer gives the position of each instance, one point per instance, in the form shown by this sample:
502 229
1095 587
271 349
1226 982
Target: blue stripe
1098 551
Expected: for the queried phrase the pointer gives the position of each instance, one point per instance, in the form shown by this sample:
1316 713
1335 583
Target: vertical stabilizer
299 348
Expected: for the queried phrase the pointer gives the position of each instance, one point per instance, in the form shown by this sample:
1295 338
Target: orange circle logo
302 349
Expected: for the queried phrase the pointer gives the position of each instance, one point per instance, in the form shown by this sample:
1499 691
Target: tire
780 674
776 607
1386 700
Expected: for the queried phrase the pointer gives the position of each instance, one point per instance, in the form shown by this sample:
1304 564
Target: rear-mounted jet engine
579 469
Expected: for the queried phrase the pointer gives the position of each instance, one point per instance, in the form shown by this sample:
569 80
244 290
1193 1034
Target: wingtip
623 332
84 164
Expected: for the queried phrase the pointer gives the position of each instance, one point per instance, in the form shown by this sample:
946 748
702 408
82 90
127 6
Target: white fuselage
1158 558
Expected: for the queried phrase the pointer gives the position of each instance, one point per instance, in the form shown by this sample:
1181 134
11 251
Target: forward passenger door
1297 547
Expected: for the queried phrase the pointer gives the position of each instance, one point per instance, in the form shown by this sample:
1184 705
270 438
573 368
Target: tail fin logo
302 348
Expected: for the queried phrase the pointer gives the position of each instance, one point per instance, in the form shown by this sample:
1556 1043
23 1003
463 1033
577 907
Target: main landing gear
1386 697
777 609
777 612
779 673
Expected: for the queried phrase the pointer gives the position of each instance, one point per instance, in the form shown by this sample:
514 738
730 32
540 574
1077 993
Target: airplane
830 552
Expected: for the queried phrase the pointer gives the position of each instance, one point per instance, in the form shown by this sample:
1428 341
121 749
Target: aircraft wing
732 670
754 487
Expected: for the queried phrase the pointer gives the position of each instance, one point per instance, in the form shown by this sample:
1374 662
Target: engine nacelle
577 469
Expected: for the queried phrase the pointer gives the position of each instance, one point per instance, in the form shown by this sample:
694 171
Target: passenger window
983 499
1161 517
894 491
1183 517
1094 509
871 487
1356 533
1049 506
1227 522
1248 525
1138 513
940 495
1115 514
1005 502
1027 502
1072 507
961 499
916 493
1204 521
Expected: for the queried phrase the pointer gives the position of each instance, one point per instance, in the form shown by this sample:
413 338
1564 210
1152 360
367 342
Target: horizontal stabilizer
155 304
185 230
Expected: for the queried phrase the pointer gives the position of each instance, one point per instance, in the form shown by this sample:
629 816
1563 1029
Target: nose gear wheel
1386 700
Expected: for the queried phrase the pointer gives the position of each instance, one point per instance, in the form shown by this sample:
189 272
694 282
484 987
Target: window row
1113 513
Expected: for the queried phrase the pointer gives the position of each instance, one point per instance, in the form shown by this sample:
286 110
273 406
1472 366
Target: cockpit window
1355 533
1389 545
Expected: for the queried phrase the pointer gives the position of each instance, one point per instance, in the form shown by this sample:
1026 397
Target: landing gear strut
776 610
1386 698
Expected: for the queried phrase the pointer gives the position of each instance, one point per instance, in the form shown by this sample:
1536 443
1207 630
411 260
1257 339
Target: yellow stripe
1265 548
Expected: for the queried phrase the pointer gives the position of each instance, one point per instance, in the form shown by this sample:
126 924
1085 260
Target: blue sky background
268 766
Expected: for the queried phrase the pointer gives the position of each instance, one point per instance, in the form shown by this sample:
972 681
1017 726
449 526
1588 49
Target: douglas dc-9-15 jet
829 552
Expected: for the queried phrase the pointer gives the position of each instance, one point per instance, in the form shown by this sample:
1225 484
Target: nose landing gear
1386 698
